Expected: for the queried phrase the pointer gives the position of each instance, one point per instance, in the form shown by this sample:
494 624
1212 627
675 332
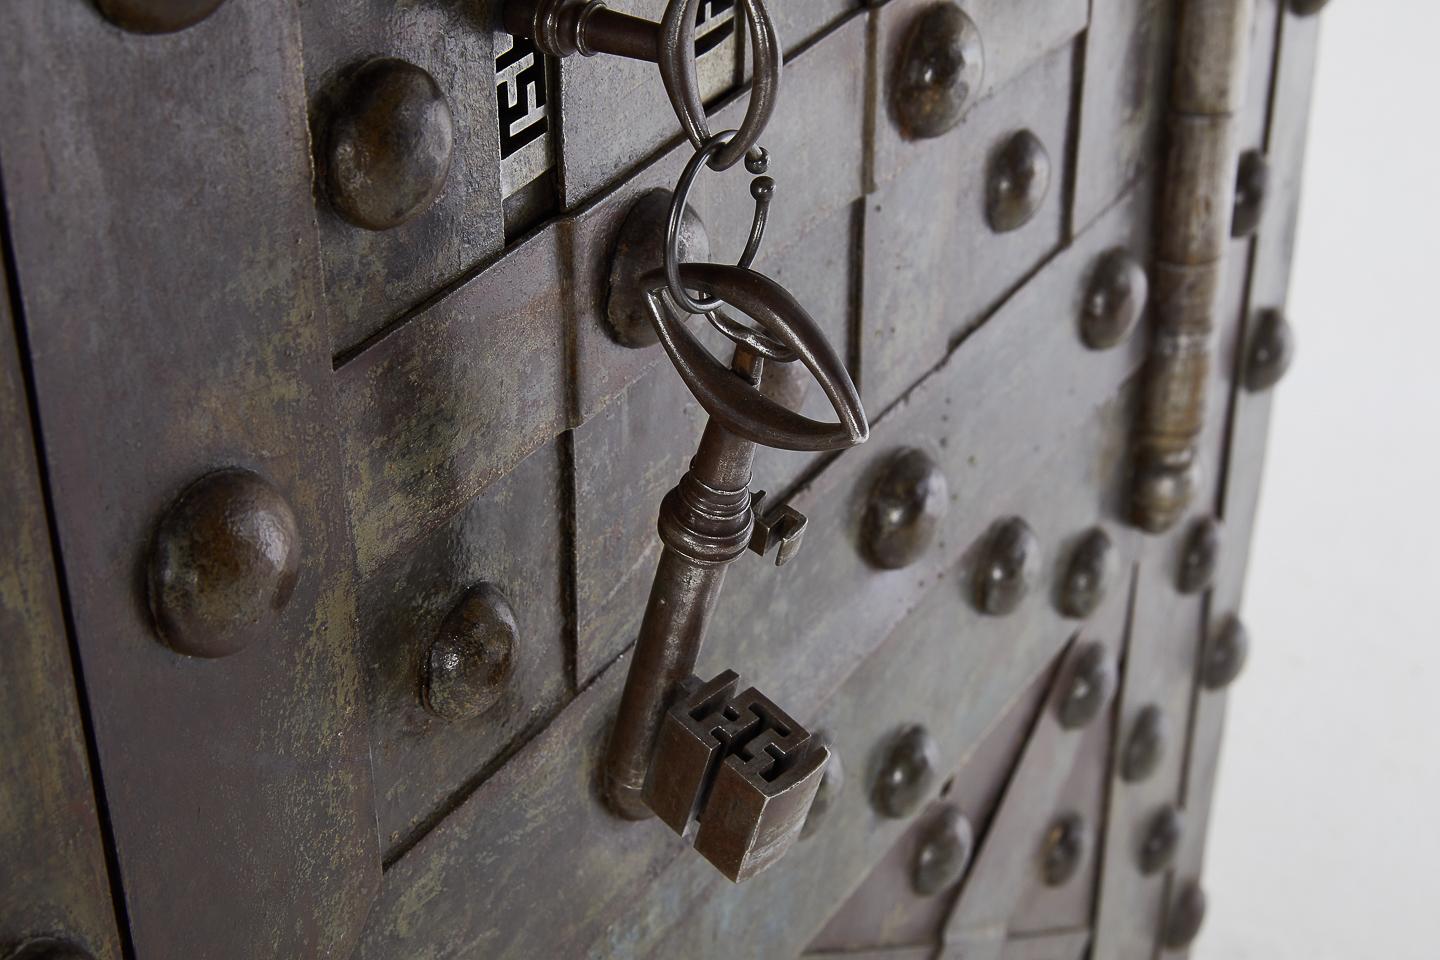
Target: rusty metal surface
55 879
174 329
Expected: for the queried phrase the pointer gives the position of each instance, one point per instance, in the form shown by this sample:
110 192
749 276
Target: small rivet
48 948
1114 299
1199 556
1252 180
1008 564
1083 585
944 852
1224 655
1066 844
832 784
1145 746
941 66
1306 8
223 564
472 656
1164 488
388 145
156 16
1018 180
906 772
639 248
905 508
1271 350
1185 916
1162 840
1091 683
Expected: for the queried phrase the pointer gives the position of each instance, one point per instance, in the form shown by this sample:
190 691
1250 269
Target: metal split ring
682 83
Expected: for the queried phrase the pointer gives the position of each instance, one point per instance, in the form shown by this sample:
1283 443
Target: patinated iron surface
383 270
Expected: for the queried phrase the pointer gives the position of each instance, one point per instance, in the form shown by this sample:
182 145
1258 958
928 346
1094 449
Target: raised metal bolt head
388 144
1271 350
1252 180
156 16
907 772
944 852
639 247
1066 844
1145 747
905 508
1199 556
941 66
1087 575
1164 488
1091 684
223 565
1008 564
1185 916
1225 655
1114 299
471 659
1018 181
832 784
1162 840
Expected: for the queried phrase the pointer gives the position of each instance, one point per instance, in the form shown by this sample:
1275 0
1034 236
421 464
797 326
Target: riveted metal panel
173 329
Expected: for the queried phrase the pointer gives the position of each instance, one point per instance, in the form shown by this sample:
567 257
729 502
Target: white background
1325 841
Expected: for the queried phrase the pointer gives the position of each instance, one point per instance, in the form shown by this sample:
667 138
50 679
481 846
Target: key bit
783 527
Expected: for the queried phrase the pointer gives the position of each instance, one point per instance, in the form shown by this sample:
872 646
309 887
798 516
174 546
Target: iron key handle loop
735 403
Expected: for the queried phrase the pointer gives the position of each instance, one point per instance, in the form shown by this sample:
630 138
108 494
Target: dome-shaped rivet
1087 574
1018 180
388 144
944 852
1199 556
1114 299
1252 181
470 661
1161 840
1224 655
1271 350
941 66
1008 564
904 510
156 16
827 795
639 249
48 948
1185 916
1145 747
224 562
1066 844
906 772
1089 687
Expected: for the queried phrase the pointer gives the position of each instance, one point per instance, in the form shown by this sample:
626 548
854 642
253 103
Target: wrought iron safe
352 349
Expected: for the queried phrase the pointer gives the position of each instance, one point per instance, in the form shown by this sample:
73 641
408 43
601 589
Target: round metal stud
1225 655
1162 840
1008 564
1091 684
1185 917
1114 299
639 246
907 772
1145 747
156 16
905 507
223 565
1087 575
1199 556
1271 350
469 663
941 66
1018 181
832 784
944 852
48 948
388 144
1066 844
1164 488
1252 180
1307 8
